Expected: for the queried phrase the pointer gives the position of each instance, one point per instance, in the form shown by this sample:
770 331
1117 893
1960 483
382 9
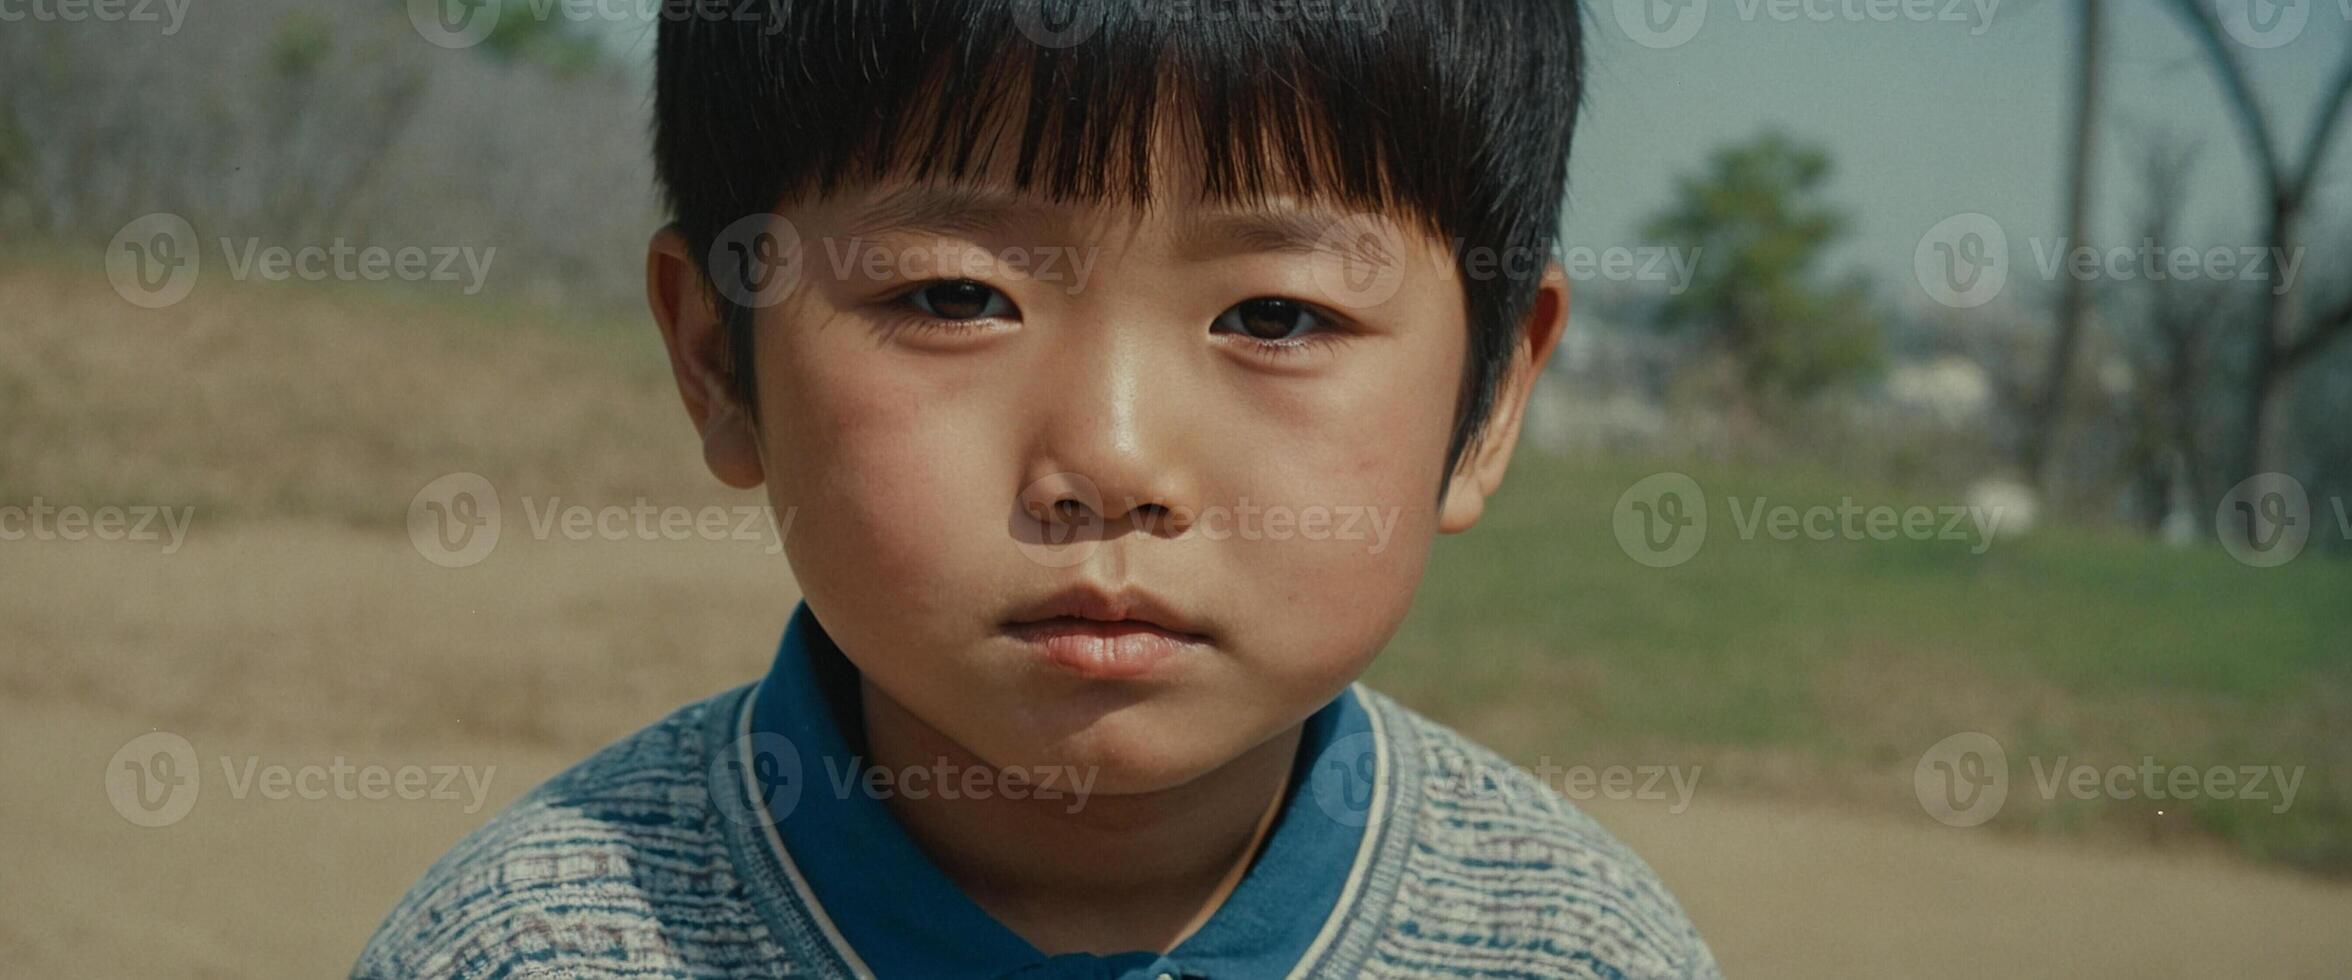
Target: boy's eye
960 299
1270 320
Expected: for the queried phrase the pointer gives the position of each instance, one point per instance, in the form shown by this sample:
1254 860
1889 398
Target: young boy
1119 368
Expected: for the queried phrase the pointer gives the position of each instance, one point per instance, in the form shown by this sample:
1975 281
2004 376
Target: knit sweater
640 862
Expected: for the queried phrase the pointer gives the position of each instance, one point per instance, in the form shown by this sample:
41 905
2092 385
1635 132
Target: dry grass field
296 625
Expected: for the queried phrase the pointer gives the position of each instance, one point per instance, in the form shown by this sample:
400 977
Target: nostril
1161 519
1066 510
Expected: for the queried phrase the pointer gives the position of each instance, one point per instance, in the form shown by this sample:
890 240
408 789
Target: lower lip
1103 651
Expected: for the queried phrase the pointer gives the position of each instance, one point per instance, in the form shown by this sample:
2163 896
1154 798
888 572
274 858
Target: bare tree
2279 348
2168 451
2074 299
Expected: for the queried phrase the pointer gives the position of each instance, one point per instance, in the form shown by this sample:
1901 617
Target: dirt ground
279 644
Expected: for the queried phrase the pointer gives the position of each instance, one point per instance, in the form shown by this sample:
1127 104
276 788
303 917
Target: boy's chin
1136 761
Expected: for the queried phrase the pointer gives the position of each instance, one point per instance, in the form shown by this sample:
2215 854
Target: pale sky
1925 120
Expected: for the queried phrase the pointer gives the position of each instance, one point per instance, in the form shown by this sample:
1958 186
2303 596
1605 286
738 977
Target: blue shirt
899 915
712 844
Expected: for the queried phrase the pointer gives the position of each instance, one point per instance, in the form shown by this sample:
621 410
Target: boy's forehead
1193 221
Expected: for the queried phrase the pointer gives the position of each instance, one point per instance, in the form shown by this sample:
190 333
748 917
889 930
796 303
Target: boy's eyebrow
1285 230
954 210
1217 232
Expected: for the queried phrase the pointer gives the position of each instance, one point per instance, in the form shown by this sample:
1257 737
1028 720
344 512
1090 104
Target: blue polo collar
888 911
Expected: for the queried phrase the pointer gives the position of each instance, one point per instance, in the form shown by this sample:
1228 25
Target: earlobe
1464 504
695 337
730 447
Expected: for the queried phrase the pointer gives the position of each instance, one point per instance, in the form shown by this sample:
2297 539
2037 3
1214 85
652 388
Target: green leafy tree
1759 225
551 41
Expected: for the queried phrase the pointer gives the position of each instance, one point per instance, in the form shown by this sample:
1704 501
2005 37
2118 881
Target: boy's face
1074 485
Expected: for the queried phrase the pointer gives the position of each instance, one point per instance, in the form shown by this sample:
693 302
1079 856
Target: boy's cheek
883 486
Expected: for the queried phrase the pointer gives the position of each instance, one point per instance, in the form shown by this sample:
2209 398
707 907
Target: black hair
1451 116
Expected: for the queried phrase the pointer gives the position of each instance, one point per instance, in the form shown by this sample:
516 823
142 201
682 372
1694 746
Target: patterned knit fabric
638 863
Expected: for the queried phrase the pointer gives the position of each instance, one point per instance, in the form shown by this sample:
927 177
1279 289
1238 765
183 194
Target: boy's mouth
1103 635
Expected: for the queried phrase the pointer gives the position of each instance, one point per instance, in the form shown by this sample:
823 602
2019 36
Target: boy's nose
1113 447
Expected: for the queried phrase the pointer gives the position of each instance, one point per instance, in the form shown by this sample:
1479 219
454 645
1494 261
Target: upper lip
1105 605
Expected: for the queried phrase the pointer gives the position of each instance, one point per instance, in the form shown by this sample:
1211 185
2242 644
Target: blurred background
1943 483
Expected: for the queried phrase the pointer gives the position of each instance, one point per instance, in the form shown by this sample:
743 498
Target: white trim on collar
1372 828
767 823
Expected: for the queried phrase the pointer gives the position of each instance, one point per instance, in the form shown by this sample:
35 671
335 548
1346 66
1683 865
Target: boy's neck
1124 872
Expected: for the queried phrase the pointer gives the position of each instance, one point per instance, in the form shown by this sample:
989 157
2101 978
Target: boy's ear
696 337
1477 475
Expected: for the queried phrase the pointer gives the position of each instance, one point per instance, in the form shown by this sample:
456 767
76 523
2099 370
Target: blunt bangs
1453 117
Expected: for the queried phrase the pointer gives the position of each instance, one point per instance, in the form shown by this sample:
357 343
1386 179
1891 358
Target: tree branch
2332 326
2232 76
2323 127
